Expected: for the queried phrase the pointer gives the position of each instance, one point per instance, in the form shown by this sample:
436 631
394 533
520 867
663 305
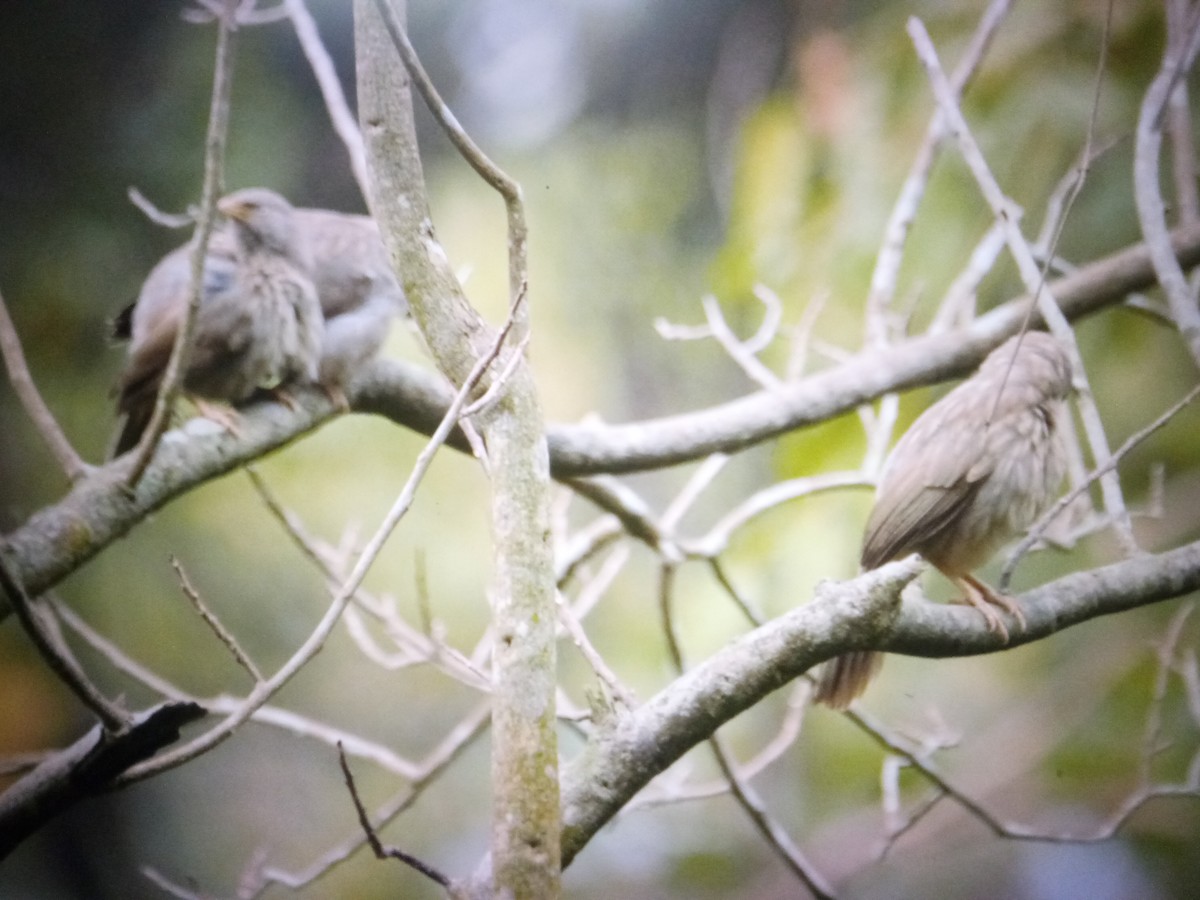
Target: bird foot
284 397
985 599
337 396
225 416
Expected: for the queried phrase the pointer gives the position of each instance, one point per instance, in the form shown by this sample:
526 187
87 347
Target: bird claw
337 396
227 417
283 396
984 599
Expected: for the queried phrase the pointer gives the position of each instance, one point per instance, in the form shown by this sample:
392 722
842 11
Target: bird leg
983 598
284 396
337 396
225 416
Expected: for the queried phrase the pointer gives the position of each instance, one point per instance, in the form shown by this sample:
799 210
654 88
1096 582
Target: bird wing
349 262
932 475
165 292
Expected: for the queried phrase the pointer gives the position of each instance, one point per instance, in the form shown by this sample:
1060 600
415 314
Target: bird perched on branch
349 266
259 325
975 469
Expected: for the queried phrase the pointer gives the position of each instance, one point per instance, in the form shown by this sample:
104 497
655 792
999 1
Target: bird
259 325
974 470
359 294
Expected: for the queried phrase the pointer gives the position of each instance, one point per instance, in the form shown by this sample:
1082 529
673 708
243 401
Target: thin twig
749 610
54 652
214 163
497 385
743 352
431 766
595 587
35 407
266 689
585 647
331 89
801 336
718 537
1165 651
891 253
377 847
1182 47
776 837
156 215
958 305
1007 215
418 647
772 832
584 545
210 619
507 187
635 516
273 716
1039 527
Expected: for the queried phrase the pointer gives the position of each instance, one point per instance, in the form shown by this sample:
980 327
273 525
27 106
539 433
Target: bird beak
234 209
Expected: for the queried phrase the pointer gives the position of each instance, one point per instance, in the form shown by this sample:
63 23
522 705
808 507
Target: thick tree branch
61 537
622 758
525 799
89 766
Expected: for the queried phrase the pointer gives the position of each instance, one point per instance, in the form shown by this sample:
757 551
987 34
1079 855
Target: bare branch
1177 60
860 613
54 652
891 253
331 90
50 545
210 619
35 407
214 163
1038 529
156 215
1050 307
373 841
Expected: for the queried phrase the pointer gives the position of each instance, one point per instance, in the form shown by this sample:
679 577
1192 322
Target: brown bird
259 326
358 292
975 469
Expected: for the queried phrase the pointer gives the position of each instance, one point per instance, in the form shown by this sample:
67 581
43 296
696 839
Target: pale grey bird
975 469
360 296
259 326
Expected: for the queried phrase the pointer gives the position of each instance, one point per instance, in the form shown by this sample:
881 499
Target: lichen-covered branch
61 537
525 799
859 614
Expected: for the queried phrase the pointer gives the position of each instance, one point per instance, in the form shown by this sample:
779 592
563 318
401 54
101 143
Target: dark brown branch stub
87 767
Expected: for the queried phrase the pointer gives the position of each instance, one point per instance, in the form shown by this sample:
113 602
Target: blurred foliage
666 151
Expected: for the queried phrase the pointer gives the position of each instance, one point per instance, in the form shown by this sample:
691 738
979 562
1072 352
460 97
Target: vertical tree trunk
525 846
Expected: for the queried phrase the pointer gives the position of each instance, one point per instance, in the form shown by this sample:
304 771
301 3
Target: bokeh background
667 149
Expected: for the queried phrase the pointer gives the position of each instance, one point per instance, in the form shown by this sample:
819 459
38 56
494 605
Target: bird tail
135 416
845 677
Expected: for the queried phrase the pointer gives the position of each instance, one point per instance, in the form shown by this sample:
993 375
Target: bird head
262 219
